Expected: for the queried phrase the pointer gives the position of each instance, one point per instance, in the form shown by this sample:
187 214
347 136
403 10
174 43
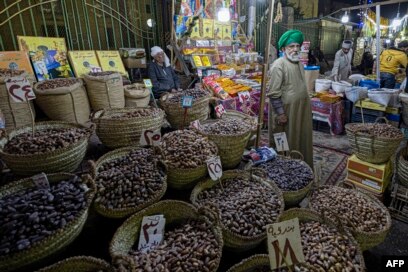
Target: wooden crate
399 203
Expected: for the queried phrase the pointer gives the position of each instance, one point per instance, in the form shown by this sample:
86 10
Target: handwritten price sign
150 137
20 89
196 124
281 141
244 96
219 110
151 232
41 181
284 244
214 168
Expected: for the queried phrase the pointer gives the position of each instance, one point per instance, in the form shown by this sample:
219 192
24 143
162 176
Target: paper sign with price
41 181
151 232
196 124
96 69
150 137
20 89
187 101
281 142
244 96
284 244
199 72
219 110
214 168
148 83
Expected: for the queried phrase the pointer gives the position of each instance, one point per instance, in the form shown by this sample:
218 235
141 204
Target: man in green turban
289 102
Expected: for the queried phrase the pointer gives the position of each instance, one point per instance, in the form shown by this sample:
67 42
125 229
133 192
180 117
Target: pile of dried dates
196 93
106 73
10 72
377 130
145 112
226 127
56 83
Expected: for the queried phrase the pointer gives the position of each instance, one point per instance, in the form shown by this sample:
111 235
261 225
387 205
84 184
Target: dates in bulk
268 269
377 130
245 206
10 72
289 175
129 181
186 149
44 140
107 73
196 93
355 211
226 127
151 112
29 216
56 83
189 247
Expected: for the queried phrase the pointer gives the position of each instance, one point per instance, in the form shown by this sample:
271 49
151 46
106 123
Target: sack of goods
341 86
137 96
322 85
385 97
356 93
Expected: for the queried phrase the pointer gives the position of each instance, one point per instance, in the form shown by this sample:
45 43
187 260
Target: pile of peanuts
106 73
29 216
377 130
186 149
226 127
10 73
45 140
129 181
354 210
56 83
146 112
245 206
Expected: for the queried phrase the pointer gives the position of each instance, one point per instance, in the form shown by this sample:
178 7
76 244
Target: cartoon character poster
83 62
111 61
16 60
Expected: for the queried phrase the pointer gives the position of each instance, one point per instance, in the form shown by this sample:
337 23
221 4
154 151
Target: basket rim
79 259
104 114
235 135
361 134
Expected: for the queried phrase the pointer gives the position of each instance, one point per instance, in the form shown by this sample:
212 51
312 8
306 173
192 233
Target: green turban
289 37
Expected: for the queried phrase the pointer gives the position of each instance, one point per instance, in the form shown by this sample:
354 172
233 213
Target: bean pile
186 149
245 206
10 72
377 130
289 175
28 216
189 247
44 140
355 211
107 73
226 127
150 112
56 83
326 249
129 181
195 93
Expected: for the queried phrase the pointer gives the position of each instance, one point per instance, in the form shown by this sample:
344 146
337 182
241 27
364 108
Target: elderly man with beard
342 62
290 109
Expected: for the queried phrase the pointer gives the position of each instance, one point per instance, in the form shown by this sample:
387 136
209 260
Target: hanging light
224 15
345 18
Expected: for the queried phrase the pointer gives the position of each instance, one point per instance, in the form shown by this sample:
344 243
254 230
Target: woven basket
230 147
401 166
365 239
123 212
68 104
137 96
65 159
121 132
175 111
306 215
79 264
55 241
232 240
404 111
173 210
370 148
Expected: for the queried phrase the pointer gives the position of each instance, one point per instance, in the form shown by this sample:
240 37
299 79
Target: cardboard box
378 172
132 52
131 63
367 183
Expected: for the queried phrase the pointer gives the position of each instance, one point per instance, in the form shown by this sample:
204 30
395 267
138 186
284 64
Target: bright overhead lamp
396 23
345 18
224 15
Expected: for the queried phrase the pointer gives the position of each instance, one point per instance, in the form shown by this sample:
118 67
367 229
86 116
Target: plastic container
340 87
370 84
322 85
311 74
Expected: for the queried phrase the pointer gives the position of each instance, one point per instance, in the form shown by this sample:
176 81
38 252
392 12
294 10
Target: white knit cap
157 49
346 44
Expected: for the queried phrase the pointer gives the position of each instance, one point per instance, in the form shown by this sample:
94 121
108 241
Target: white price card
187 101
148 83
214 167
281 141
96 69
196 124
41 181
219 110
284 244
151 232
244 96
150 137
19 89
199 72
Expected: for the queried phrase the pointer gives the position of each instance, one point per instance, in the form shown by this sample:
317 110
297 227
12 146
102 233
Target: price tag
219 110
187 101
151 232
19 89
281 142
199 72
196 124
150 137
148 83
244 96
41 181
96 69
214 167
284 244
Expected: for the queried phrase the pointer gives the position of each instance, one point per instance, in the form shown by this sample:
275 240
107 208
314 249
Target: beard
294 56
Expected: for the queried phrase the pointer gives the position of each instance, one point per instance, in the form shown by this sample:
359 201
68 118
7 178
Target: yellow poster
226 32
218 30
33 44
206 61
111 61
195 31
16 60
197 61
83 62
208 28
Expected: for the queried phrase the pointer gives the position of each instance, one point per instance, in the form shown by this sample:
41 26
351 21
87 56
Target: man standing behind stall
390 61
162 75
290 109
342 62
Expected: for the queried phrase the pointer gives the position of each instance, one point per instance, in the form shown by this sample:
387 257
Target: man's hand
282 119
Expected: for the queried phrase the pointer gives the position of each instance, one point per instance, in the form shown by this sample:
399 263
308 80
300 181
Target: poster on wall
111 61
16 60
83 62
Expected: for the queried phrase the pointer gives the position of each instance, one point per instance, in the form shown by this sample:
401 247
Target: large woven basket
121 132
79 264
173 210
401 166
232 240
55 241
175 111
370 148
65 159
230 147
306 215
122 212
365 239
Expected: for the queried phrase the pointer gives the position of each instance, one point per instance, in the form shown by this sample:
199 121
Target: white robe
342 64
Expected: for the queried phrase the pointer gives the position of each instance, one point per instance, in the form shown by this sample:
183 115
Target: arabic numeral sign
187 101
214 167
219 110
150 137
151 232
281 141
20 89
244 96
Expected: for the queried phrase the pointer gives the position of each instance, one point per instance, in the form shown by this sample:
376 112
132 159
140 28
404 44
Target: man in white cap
162 75
342 62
